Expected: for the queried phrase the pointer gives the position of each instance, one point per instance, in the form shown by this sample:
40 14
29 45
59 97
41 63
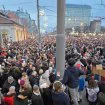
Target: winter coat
71 77
60 98
37 99
92 94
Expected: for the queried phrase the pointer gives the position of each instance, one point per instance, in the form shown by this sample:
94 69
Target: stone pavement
84 100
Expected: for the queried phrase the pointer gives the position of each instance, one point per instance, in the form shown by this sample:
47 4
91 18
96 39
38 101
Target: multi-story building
22 18
26 21
95 26
33 27
77 15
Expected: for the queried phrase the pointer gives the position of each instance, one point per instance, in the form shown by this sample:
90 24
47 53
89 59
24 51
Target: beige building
11 31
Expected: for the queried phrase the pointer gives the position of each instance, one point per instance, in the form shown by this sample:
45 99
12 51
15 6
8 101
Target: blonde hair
57 86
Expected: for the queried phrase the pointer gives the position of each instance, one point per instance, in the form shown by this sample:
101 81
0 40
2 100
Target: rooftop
78 6
5 20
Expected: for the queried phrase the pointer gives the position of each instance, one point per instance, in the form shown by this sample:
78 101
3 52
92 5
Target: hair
41 71
24 74
92 84
12 89
35 88
57 86
71 62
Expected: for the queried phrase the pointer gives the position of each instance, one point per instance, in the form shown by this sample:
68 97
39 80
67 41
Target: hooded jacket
71 77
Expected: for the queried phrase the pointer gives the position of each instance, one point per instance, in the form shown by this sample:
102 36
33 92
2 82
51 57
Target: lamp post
38 23
60 38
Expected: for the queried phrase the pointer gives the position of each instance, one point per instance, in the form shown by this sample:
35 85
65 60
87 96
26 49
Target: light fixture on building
69 19
41 12
82 23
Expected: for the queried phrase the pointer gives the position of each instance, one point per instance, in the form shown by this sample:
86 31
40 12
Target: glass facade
77 15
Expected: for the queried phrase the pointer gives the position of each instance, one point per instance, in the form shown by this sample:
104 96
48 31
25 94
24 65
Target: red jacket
9 100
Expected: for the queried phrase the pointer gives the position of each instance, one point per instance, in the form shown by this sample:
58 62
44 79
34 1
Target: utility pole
60 38
1 41
38 23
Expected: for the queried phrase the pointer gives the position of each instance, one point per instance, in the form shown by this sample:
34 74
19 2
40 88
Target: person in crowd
101 85
92 91
9 97
24 93
36 96
59 96
81 87
89 70
25 77
1 97
20 59
8 83
15 72
33 79
101 96
44 78
29 70
71 79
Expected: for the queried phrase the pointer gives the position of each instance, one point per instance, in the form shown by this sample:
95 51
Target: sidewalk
84 101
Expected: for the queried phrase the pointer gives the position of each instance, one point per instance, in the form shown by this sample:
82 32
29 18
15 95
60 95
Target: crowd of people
28 74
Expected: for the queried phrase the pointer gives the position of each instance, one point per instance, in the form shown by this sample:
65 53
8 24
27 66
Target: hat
22 82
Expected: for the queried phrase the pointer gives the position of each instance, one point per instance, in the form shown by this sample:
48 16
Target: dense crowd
28 74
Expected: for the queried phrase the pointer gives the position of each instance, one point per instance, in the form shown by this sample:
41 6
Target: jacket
60 98
92 94
37 99
71 77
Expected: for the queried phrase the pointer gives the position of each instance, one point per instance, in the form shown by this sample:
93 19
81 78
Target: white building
10 30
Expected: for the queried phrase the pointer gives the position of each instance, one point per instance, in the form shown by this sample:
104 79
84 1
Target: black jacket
33 80
60 98
37 100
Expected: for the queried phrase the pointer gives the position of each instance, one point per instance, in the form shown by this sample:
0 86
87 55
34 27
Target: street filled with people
28 74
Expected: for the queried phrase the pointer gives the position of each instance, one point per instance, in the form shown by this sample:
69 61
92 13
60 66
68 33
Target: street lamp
82 23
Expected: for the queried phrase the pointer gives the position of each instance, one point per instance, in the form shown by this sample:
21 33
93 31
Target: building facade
26 21
95 26
77 15
11 31
22 18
